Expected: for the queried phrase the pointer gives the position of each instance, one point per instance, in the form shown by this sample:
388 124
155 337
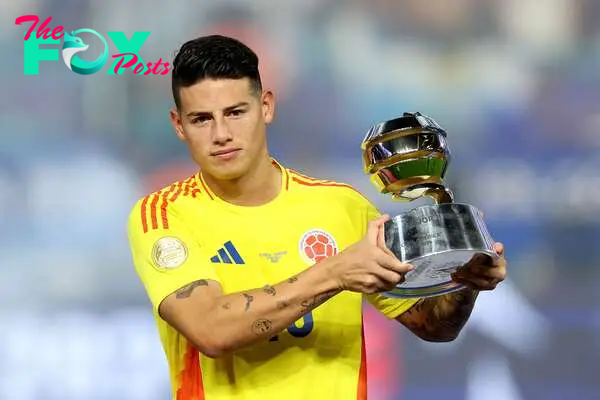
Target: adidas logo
228 255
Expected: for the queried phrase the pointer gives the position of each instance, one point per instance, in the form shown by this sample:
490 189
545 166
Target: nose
221 132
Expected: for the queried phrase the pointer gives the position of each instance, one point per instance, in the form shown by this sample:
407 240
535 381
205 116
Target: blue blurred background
516 84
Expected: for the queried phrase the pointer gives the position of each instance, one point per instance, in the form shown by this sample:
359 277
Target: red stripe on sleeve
178 192
144 216
165 203
194 189
153 217
187 189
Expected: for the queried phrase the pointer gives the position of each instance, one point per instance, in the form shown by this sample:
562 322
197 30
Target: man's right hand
367 266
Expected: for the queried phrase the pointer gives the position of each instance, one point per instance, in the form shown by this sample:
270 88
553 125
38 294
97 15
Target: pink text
140 67
56 33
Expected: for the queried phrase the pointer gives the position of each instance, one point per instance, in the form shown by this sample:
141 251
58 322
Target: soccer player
256 272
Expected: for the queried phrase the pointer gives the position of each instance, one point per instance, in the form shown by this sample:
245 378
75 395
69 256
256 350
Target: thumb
374 228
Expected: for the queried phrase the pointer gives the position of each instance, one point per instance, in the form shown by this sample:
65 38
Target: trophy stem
439 194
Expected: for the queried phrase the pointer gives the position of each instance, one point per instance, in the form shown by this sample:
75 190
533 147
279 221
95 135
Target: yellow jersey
185 232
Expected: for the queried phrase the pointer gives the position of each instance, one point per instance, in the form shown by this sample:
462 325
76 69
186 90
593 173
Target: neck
258 186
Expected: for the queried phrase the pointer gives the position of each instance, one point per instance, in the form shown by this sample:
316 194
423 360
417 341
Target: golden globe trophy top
407 158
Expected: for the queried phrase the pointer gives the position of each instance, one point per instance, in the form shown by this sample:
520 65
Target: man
257 273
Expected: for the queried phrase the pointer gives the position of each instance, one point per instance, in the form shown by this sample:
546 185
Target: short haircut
213 57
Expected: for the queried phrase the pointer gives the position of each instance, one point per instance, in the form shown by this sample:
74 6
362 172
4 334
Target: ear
268 106
175 118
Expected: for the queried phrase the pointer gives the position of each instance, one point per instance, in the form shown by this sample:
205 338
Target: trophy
407 158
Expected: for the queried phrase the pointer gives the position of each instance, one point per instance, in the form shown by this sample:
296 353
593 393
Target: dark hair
213 57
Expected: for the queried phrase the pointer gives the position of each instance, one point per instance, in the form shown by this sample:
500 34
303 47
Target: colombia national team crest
316 245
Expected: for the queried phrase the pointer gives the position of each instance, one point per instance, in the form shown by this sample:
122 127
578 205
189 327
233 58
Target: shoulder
331 189
152 210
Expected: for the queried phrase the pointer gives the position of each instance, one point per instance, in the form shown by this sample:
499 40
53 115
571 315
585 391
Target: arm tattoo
186 291
226 306
440 318
249 299
316 301
270 290
261 326
293 279
281 304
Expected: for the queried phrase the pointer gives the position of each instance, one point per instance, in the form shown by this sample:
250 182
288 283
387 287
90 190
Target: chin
227 171
227 175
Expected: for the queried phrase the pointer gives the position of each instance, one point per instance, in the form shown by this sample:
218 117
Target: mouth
225 153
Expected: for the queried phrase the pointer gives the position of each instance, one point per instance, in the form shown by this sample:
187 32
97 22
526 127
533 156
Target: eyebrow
226 109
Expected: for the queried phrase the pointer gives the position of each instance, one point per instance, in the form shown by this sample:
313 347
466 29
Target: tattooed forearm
186 291
249 299
269 290
440 318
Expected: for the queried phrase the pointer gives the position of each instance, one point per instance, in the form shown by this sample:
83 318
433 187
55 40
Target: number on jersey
301 328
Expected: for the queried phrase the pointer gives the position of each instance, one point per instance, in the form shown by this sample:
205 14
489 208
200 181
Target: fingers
484 271
485 266
389 261
374 227
388 278
382 280
479 259
486 261
387 271
475 282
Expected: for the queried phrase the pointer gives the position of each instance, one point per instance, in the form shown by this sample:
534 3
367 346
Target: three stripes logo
227 254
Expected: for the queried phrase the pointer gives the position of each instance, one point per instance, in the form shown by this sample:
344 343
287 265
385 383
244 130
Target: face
223 122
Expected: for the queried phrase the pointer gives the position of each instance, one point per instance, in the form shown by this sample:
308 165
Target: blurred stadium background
515 82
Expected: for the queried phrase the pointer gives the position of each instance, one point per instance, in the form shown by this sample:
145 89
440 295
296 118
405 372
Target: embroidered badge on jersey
169 253
316 245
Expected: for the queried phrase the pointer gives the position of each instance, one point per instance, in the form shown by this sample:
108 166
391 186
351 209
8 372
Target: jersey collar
285 187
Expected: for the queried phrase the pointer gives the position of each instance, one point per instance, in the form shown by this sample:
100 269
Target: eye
237 112
200 120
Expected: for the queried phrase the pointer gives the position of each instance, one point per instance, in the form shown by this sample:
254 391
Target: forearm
440 318
240 319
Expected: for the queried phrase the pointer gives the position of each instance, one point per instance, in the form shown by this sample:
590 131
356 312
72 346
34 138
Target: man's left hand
483 272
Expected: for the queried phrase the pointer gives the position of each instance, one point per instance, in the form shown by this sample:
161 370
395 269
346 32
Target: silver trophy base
436 240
